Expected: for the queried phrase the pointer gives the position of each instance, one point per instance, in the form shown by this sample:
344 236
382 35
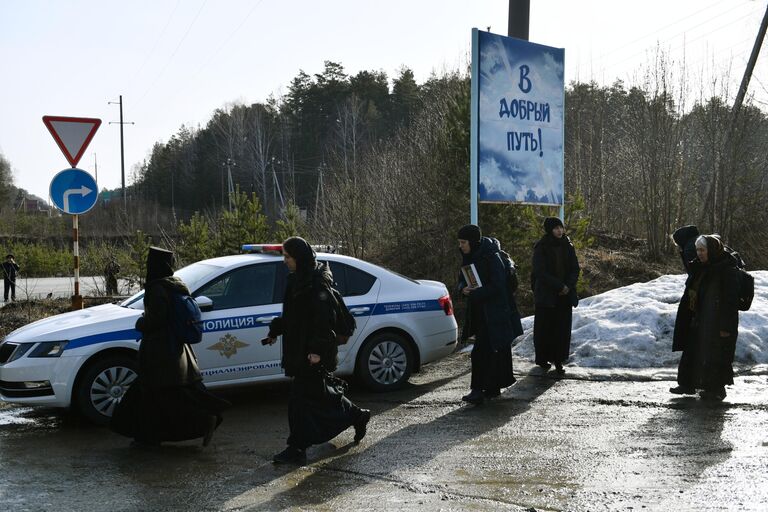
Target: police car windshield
193 275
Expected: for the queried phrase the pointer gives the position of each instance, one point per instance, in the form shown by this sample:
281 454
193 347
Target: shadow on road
410 447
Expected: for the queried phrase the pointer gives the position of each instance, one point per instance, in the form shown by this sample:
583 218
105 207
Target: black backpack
510 271
344 323
746 282
746 289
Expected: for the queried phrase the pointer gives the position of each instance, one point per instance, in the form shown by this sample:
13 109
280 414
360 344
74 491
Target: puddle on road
15 416
28 418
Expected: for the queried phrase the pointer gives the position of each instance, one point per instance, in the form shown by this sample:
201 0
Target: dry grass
20 313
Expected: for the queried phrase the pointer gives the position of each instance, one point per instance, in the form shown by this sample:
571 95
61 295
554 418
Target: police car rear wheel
386 362
103 384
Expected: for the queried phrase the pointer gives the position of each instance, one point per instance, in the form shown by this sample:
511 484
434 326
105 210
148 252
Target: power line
168 62
629 58
216 52
157 41
685 18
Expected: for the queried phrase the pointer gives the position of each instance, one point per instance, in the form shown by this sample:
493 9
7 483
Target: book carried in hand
471 276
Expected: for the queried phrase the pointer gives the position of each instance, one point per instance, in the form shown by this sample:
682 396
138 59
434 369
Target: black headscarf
715 248
302 252
685 234
551 223
159 264
472 234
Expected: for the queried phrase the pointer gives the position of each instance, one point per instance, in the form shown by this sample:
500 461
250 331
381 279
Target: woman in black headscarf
707 321
168 401
309 353
490 318
553 281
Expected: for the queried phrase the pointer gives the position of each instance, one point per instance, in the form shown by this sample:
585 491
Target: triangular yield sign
72 134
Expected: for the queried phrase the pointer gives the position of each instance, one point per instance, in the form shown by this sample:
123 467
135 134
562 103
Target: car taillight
446 303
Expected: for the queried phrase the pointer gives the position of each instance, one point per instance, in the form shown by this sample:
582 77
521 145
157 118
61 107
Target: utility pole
320 195
710 197
173 197
96 170
229 163
122 147
519 18
280 192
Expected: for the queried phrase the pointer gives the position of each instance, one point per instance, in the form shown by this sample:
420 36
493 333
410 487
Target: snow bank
631 327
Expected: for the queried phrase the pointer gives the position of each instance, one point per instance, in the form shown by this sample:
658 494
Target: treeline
658 155
280 149
366 162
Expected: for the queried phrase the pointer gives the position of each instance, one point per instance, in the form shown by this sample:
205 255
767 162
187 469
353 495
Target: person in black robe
489 316
553 281
707 322
9 268
110 276
309 355
168 401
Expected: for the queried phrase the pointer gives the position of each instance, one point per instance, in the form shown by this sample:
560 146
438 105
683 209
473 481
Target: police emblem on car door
243 306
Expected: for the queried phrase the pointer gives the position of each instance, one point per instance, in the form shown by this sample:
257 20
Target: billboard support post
473 131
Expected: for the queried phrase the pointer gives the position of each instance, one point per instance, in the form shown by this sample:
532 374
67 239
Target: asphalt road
545 444
41 287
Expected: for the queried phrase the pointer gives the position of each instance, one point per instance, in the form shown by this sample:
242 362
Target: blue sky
176 61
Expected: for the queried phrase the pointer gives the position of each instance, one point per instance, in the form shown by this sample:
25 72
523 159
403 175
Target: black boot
474 397
714 395
361 425
682 390
290 455
559 369
210 428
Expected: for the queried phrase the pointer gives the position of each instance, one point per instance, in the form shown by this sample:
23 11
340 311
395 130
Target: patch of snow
632 327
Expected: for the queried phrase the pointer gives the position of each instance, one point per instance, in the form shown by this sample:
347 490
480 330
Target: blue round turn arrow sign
74 191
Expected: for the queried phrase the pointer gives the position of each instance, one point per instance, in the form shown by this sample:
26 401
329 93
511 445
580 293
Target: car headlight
48 349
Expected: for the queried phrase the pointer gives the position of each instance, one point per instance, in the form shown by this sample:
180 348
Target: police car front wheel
102 385
386 362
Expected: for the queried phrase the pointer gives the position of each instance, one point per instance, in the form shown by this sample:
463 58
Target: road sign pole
77 299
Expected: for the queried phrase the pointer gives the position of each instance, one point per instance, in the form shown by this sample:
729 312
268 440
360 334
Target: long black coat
716 307
491 298
9 271
306 323
168 401
162 363
545 283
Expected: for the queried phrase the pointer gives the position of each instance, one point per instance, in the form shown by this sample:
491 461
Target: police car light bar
262 248
278 248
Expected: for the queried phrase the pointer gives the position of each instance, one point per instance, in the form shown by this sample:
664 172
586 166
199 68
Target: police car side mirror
204 303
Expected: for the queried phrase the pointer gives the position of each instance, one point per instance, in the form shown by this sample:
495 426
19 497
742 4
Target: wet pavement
579 443
57 287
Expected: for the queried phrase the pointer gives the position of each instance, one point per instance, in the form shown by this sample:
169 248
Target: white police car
87 358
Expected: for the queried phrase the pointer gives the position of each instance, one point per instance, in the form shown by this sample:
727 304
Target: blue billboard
518 103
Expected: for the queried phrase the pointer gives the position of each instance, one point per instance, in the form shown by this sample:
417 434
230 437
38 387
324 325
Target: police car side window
358 282
248 286
339 277
351 281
